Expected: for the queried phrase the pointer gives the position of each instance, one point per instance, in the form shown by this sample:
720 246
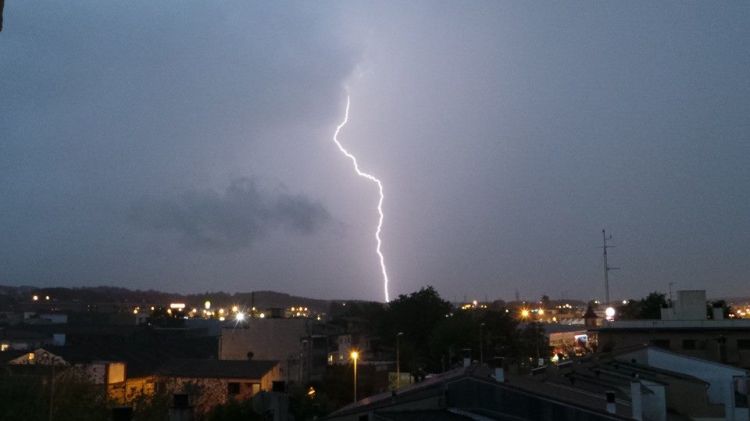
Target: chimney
467 357
497 365
636 401
611 407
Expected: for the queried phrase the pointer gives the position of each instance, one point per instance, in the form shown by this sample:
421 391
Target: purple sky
186 146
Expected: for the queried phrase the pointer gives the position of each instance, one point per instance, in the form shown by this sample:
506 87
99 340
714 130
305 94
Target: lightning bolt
380 190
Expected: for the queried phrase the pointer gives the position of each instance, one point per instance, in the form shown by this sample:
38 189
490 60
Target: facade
212 382
295 343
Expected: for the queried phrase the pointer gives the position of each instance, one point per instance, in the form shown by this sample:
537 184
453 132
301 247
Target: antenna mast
606 266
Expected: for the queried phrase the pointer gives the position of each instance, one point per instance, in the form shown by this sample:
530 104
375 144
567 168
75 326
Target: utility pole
670 293
606 266
481 343
398 360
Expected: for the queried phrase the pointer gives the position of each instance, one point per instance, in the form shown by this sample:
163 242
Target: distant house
39 356
213 382
13 339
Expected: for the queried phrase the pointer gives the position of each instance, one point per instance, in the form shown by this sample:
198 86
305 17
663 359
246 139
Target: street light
398 360
355 356
610 313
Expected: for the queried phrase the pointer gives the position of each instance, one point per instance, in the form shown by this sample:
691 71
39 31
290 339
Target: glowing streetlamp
355 356
610 313
239 317
525 313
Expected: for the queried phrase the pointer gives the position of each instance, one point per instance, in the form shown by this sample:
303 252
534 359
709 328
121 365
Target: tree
40 393
234 410
416 315
495 331
645 308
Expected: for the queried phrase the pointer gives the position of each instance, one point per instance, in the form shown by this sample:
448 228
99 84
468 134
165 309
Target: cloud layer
235 219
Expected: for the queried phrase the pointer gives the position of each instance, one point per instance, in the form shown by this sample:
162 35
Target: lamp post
355 356
481 343
398 360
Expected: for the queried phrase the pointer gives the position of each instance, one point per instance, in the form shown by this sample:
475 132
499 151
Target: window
233 388
661 343
689 344
278 386
743 344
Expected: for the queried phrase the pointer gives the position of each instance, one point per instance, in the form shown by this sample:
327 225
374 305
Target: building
723 393
213 382
684 328
656 384
299 344
480 393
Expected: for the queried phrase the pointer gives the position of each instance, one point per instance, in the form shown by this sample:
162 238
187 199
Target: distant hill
10 296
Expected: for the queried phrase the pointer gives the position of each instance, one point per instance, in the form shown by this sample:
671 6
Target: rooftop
215 369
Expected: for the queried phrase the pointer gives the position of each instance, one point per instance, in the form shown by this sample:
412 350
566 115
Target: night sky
187 146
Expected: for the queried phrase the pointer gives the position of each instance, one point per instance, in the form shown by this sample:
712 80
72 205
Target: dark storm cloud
228 221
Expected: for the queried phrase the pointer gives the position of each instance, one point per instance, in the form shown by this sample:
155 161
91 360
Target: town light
35 298
207 305
525 313
609 313
239 317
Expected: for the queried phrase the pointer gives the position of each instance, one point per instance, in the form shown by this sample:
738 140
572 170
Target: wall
719 376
